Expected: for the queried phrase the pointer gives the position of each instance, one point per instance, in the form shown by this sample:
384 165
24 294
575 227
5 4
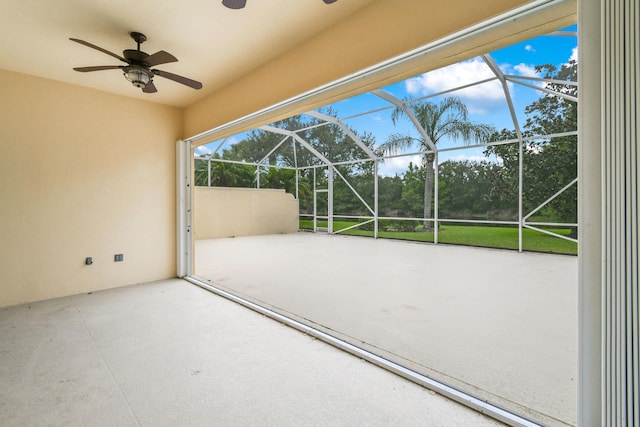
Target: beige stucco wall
232 212
82 173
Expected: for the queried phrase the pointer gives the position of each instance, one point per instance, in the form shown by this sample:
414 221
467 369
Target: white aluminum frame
184 179
394 102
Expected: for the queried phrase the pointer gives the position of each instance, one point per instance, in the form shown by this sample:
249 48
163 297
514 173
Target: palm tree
448 118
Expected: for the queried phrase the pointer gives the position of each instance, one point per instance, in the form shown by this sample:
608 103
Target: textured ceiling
213 44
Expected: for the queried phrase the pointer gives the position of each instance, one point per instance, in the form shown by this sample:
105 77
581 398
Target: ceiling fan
138 69
239 4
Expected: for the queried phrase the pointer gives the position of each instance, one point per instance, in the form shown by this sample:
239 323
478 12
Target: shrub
397 225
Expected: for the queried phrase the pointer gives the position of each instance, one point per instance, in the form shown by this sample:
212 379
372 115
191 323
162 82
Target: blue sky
486 103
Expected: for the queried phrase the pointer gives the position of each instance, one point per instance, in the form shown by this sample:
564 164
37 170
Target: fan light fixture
139 77
239 4
138 69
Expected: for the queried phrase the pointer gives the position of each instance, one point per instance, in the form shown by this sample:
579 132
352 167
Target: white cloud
456 75
398 165
574 54
529 48
202 150
526 70
479 98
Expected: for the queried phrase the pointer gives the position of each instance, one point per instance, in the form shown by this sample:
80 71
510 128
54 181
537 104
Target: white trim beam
403 106
298 138
349 132
273 150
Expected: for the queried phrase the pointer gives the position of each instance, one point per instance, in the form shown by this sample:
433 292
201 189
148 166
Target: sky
486 103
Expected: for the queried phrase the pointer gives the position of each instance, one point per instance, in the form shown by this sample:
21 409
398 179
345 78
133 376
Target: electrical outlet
118 257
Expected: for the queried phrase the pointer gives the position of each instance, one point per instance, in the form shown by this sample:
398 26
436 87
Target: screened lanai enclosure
319 218
497 148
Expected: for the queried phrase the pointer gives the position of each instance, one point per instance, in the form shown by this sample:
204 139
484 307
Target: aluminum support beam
349 132
273 150
238 162
543 204
298 138
507 94
436 200
403 106
219 146
543 89
330 170
375 198
315 202
353 190
295 164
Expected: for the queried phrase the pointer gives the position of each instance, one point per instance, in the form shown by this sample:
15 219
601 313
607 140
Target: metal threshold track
473 402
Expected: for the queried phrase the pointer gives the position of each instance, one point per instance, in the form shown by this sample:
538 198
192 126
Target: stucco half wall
231 212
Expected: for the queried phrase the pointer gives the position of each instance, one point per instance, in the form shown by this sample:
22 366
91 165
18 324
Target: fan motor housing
135 56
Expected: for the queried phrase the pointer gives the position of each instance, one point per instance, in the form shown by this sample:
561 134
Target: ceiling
214 44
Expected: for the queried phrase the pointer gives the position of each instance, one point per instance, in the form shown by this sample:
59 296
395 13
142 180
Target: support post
184 178
589 216
375 198
435 197
315 203
520 190
330 198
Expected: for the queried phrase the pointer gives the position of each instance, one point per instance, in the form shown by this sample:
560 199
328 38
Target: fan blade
329 1
234 4
150 88
99 48
160 57
98 68
176 78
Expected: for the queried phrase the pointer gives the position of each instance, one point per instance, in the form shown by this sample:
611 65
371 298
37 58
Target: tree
224 174
549 163
447 119
471 189
558 157
413 190
389 195
275 149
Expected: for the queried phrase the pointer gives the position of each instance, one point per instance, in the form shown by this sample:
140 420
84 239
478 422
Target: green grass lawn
493 237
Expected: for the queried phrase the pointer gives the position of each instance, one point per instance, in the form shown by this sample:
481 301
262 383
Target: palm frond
396 142
447 118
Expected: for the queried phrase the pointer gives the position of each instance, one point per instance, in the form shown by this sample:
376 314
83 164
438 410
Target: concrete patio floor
169 353
498 324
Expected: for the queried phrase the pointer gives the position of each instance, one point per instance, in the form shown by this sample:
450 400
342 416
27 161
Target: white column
589 216
375 198
330 198
184 178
